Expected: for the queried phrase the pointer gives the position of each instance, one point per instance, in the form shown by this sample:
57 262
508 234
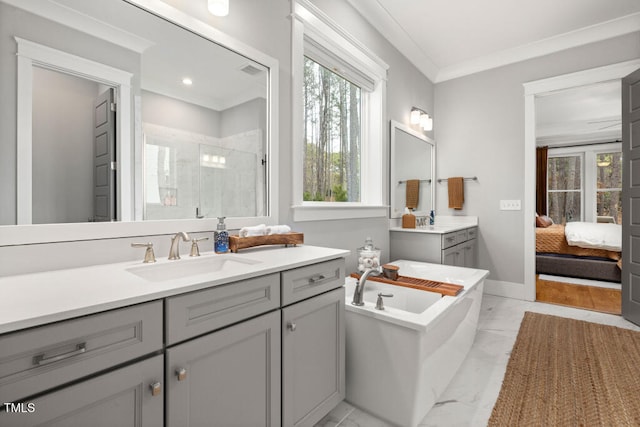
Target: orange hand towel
413 193
456 192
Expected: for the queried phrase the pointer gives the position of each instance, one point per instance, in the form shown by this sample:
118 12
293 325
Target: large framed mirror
412 158
129 114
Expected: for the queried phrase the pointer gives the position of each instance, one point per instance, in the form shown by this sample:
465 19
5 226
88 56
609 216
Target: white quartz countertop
434 229
36 299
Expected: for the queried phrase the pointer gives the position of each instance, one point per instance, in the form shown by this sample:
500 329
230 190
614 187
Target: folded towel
456 192
278 229
413 193
256 230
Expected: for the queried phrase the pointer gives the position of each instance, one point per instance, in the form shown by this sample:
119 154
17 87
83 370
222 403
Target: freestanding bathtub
401 359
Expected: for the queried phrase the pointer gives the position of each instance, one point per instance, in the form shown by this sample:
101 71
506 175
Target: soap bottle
221 237
432 217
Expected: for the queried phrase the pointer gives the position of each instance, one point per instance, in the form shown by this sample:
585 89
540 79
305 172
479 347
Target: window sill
323 211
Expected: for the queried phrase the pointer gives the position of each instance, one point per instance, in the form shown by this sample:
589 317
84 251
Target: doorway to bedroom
578 197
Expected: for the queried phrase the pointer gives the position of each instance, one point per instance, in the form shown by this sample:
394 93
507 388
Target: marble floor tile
472 393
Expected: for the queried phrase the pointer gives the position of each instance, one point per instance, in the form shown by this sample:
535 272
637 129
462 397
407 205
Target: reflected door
104 162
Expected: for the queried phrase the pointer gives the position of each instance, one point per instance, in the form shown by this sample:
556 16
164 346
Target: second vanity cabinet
237 354
458 248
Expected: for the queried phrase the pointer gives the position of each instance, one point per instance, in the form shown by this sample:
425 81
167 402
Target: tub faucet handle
380 303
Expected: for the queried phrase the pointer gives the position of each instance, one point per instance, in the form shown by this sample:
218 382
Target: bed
555 256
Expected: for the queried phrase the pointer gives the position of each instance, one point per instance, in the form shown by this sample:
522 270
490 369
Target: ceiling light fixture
420 117
218 7
187 81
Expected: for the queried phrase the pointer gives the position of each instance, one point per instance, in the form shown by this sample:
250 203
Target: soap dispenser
221 237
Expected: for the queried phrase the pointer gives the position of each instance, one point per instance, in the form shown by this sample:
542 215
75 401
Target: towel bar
473 178
422 180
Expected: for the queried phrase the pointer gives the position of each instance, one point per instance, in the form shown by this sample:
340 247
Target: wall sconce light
420 117
218 7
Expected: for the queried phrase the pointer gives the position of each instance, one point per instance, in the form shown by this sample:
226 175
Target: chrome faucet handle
380 303
149 256
195 250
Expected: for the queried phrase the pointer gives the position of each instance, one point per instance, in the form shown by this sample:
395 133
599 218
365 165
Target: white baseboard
504 289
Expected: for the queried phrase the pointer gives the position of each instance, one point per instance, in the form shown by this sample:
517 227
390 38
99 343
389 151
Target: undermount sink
170 270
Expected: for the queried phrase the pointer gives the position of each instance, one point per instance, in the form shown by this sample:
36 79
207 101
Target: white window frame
592 177
589 178
310 22
555 153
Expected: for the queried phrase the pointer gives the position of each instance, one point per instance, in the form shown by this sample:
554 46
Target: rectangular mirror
130 111
412 158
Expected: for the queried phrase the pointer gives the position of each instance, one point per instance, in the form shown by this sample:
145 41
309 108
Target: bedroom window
584 183
564 188
609 187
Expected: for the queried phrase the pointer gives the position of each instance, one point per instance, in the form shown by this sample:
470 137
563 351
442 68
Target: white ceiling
586 114
446 39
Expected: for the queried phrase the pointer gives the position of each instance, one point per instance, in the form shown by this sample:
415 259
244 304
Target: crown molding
594 33
379 18
50 9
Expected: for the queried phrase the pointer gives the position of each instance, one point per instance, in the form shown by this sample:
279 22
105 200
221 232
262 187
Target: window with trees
609 186
332 141
338 121
564 188
584 183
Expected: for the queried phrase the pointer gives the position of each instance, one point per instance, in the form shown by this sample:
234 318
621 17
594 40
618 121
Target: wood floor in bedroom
594 298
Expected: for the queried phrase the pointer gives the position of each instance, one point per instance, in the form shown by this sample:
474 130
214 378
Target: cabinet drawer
461 236
448 240
203 311
305 282
38 359
472 233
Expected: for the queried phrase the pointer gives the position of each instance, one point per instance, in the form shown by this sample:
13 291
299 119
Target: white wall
479 129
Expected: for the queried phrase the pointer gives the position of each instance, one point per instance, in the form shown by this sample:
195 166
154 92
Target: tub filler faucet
359 292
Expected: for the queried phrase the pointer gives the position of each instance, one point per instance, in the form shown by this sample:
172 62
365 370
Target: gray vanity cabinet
266 351
454 248
130 396
313 358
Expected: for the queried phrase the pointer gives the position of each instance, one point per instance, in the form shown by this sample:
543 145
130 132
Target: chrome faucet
359 291
174 251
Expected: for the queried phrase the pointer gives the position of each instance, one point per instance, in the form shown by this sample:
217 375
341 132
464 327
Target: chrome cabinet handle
42 359
317 278
291 326
181 373
156 388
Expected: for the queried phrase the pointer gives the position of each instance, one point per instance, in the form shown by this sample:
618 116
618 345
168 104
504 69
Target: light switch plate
510 205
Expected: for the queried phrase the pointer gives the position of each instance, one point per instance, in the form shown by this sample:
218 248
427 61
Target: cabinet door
313 358
227 378
470 253
454 255
120 398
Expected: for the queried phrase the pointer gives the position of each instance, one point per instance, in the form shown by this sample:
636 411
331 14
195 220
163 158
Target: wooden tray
236 243
415 283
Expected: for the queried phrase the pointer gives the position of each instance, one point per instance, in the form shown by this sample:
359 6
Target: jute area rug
566 372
